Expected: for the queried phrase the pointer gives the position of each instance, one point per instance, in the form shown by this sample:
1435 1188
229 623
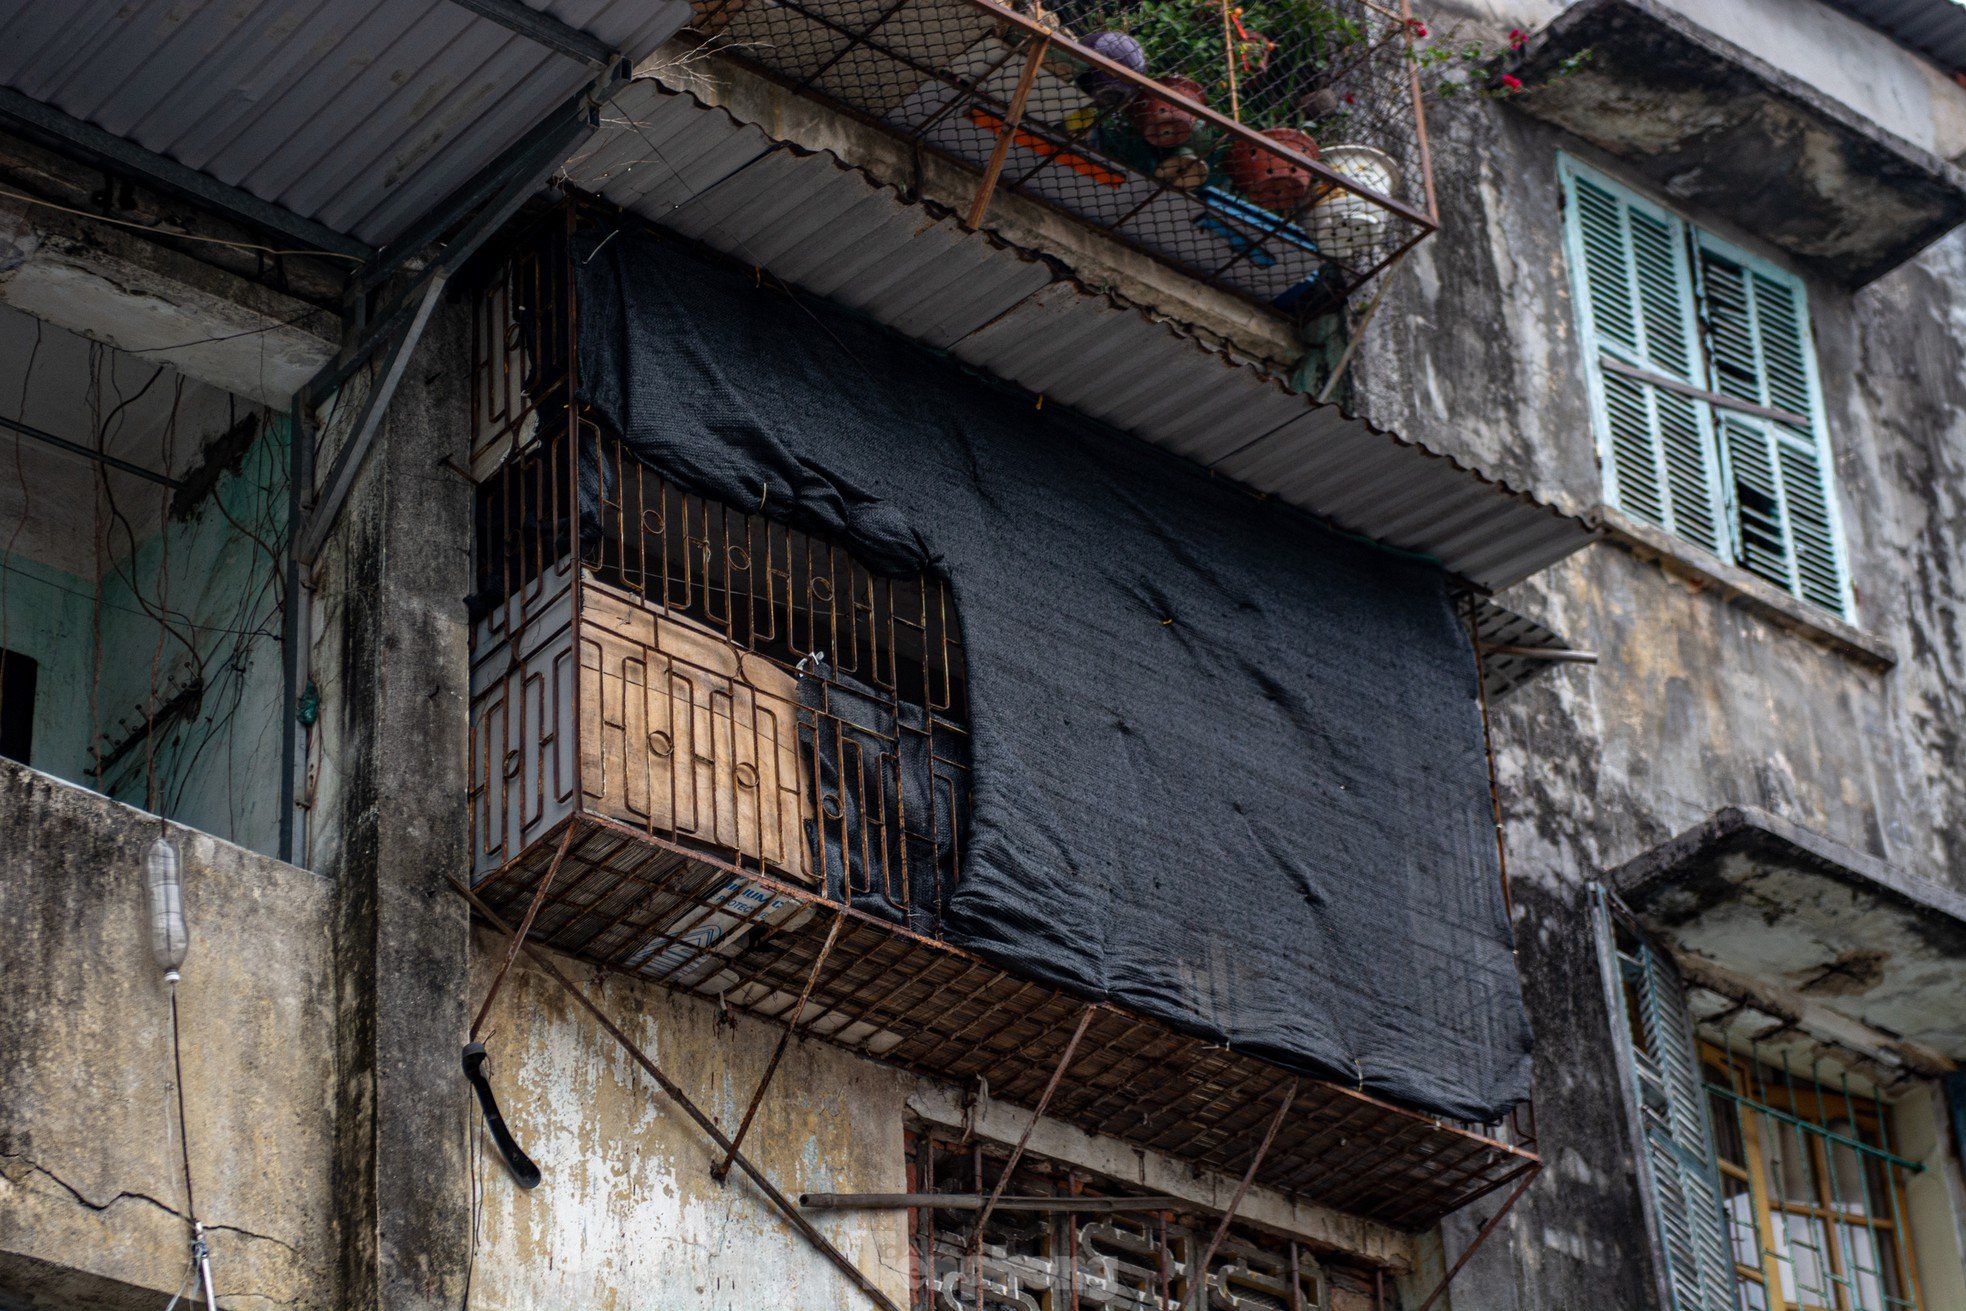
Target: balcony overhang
832 230
1732 136
875 988
1769 912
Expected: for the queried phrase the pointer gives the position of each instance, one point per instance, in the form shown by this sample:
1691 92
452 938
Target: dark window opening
18 676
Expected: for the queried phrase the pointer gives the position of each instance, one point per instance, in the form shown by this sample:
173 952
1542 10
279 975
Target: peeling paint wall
628 1215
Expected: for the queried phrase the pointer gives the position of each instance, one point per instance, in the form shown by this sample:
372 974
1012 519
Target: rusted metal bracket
1494 1222
1017 1152
525 927
784 1204
721 1170
1007 131
1242 1190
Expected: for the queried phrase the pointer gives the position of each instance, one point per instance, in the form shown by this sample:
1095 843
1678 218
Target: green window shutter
1634 289
1656 1035
1775 473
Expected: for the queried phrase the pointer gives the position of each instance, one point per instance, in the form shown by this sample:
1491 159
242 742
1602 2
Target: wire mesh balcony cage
720 754
1276 148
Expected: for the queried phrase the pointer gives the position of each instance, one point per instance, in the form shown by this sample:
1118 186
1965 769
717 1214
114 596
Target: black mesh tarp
1228 764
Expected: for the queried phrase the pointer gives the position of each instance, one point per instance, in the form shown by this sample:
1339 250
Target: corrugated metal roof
1934 28
359 114
832 231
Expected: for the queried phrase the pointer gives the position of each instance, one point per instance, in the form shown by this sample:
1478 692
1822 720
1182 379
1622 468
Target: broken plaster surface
121 290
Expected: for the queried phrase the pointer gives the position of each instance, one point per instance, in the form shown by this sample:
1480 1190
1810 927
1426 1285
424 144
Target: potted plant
1163 121
1267 178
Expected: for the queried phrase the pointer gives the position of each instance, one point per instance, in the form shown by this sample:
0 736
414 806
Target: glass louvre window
1708 409
1815 1198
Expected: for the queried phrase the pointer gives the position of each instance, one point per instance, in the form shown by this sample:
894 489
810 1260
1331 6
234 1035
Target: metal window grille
1814 1196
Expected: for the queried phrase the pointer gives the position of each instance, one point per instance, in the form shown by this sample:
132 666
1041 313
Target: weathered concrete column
393 646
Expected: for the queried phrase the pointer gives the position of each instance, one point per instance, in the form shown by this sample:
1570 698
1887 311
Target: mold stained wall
1696 703
627 1214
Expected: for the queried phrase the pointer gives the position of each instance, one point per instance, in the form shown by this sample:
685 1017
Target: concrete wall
1894 87
1698 701
92 1192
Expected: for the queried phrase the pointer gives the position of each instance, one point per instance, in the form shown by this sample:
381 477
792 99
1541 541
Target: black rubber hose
524 1172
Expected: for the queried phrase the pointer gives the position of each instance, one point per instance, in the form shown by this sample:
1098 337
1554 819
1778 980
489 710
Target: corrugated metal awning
833 231
358 115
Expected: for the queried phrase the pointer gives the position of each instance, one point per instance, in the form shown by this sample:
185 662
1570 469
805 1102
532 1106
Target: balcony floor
629 902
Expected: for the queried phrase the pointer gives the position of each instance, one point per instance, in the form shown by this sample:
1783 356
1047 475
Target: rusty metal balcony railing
744 759
1289 171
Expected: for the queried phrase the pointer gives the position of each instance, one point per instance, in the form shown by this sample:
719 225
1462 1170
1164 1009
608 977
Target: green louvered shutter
1776 474
1634 286
1679 1170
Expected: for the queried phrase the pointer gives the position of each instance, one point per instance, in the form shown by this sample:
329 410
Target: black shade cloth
1228 765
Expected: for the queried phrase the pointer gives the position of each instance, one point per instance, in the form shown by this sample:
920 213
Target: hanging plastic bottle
163 881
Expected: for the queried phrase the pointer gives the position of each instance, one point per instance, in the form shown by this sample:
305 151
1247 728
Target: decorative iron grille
1286 162
1103 1260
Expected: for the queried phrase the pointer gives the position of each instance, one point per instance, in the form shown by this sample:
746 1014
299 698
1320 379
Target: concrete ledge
1811 923
1738 587
1729 134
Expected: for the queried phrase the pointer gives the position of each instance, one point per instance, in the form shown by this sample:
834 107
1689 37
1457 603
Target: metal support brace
1494 1222
498 192
1012 117
89 453
525 928
1017 1152
721 1170
784 1204
541 28
1242 1190
355 450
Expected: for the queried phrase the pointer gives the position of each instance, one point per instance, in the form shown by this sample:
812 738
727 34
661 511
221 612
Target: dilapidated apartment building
959 653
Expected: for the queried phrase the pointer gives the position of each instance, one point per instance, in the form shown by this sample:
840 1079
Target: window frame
1690 241
1747 1094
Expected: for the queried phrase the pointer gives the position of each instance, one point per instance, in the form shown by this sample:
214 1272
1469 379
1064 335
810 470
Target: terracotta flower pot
1164 122
1269 179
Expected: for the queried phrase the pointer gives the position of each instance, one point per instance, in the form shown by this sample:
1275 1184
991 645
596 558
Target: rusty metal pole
1012 117
1488 749
525 927
1481 1237
721 1170
1199 1272
1044 1101
784 1204
1017 1152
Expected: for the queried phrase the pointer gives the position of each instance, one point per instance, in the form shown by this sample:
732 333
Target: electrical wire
179 236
